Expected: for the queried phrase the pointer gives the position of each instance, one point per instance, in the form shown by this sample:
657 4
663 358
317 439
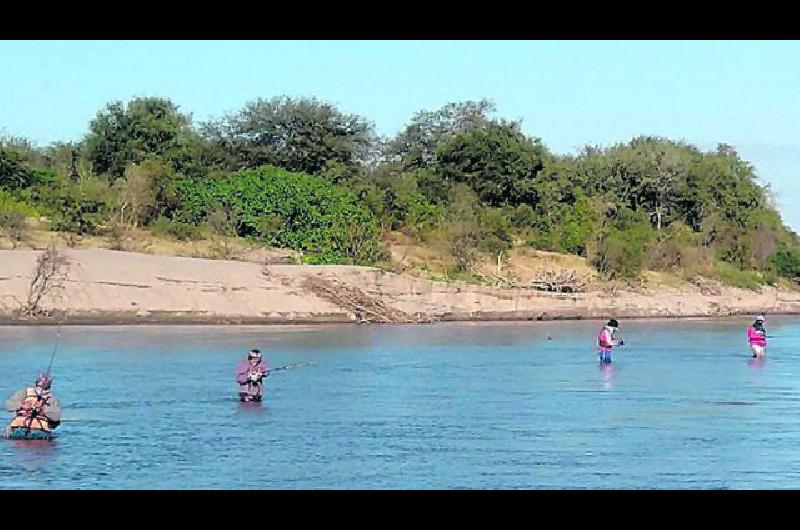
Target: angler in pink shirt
757 337
606 341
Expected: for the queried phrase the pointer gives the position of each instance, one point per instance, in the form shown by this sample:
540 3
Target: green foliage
571 228
315 216
9 202
470 228
735 277
787 262
457 173
80 208
432 186
147 190
672 247
578 226
623 245
523 217
770 277
12 216
14 171
462 228
495 232
416 145
181 231
146 127
302 135
409 209
497 161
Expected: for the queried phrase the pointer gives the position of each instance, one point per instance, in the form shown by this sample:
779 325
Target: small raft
21 433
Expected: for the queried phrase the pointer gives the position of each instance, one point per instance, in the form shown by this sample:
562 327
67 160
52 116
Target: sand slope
105 286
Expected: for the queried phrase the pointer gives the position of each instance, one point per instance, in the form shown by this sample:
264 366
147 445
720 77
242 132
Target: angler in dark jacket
249 375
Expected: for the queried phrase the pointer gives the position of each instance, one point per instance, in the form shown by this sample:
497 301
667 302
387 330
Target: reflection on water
607 371
756 363
479 405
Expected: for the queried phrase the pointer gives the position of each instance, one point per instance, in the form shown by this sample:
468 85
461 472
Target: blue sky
568 93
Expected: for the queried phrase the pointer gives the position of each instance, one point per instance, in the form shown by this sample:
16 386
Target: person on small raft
606 341
249 375
37 410
757 337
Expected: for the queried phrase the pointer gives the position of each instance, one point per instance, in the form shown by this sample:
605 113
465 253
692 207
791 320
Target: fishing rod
55 347
288 366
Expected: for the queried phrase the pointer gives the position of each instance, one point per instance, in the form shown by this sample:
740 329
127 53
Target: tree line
299 173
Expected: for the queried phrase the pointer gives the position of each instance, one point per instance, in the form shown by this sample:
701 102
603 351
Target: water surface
456 405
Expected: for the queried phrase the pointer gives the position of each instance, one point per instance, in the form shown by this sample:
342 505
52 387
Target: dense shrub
787 262
733 276
622 249
495 232
304 213
181 231
80 208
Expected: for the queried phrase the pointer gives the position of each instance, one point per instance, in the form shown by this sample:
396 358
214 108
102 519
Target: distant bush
673 247
15 173
730 275
771 278
12 216
80 208
181 231
461 231
290 210
578 227
523 217
787 262
622 250
543 239
496 232
10 203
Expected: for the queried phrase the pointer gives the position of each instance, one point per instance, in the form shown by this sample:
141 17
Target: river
450 405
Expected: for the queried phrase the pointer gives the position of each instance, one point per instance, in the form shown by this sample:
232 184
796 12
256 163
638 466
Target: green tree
415 146
462 229
146 127
673 246
497 161
14 171
579 225
315 216
84 207
301 135
787 262
495 232
622 247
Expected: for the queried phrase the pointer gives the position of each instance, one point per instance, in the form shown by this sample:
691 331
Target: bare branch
49 277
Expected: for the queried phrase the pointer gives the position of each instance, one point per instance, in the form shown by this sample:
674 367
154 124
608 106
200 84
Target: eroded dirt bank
104 286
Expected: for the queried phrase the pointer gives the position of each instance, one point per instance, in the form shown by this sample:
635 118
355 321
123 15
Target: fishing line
55 347
288 366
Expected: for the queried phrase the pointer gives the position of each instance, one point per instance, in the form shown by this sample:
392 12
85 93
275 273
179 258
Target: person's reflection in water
756 377
35 457
256 408
607 372
756 363
38 448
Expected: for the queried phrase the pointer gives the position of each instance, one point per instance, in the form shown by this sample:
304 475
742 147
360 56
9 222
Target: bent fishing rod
55 347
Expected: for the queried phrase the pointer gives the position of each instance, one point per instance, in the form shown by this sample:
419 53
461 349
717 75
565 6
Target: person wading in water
757 337
606 340
38 411
249 375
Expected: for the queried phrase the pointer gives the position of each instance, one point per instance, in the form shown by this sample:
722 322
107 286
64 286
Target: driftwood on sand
367 308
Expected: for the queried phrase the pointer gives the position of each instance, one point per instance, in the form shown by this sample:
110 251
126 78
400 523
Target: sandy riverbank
109 287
